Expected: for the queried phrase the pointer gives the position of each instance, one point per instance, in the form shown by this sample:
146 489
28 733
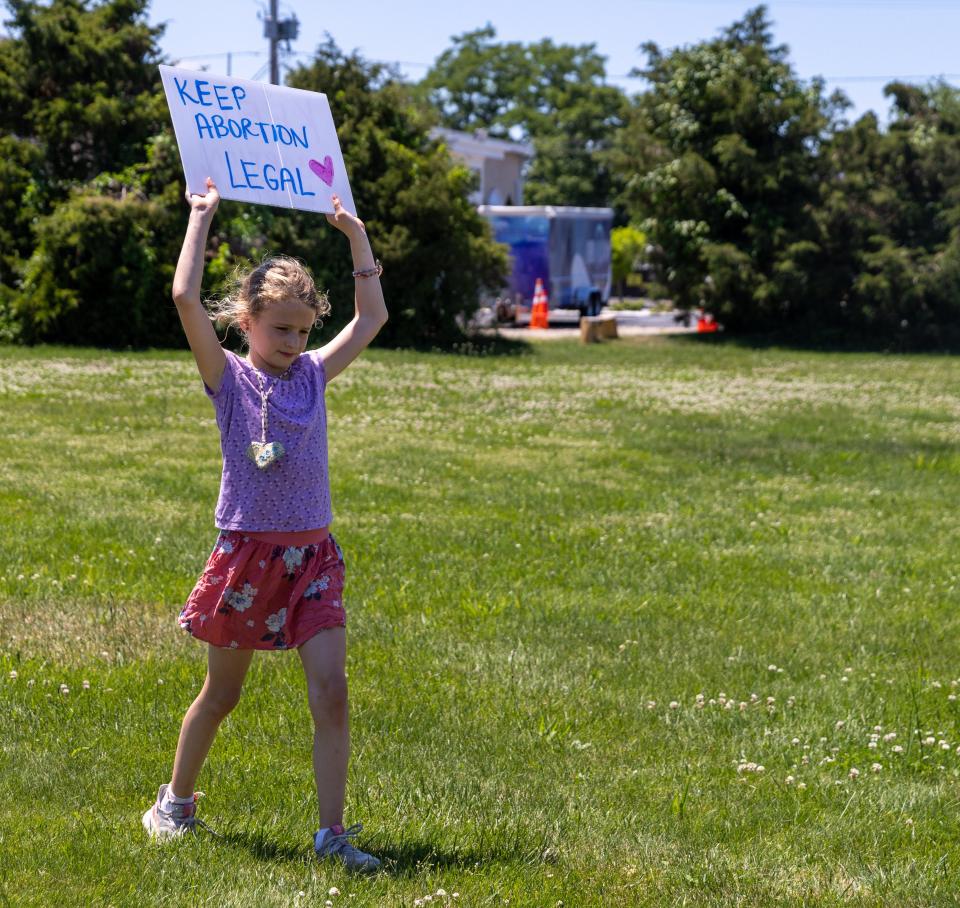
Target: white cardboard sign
261 143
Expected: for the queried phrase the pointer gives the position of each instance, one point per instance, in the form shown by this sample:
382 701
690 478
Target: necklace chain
264 396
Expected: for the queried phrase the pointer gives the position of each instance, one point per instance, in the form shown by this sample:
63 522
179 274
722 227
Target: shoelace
335 843
194 820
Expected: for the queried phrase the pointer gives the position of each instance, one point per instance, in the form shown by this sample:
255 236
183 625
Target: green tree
552 95
78 96
627 247
724 152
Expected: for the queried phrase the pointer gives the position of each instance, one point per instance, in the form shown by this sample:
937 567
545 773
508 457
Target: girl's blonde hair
275 279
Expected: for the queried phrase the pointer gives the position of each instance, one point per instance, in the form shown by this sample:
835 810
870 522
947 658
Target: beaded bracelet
375 271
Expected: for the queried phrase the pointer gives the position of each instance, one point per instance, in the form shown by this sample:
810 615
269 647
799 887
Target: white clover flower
86 684
441 892
876 767
13 674
929 740
795 741
872 745
897 749
333 891
889 736
674 704
789 780
801 786
854 772
840 724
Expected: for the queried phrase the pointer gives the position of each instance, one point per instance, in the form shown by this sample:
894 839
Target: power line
914 77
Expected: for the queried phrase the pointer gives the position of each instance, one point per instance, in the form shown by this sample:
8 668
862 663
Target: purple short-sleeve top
292 494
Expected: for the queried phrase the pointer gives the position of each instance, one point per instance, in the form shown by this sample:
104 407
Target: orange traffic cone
539 317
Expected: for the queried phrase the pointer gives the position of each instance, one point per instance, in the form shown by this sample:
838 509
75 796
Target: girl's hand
348 223
204 204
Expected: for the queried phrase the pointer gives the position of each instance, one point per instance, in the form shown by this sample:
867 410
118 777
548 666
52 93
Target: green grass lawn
649 623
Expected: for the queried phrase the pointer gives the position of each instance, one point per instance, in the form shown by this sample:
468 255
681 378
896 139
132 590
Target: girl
275 577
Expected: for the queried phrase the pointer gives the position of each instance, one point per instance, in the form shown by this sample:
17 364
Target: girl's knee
219 701
327 696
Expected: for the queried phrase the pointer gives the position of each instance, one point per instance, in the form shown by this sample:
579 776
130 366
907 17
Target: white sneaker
335 844
165 824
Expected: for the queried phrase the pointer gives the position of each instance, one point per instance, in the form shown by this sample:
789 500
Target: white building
498 162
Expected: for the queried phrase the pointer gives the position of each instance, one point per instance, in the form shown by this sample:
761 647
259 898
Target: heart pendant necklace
264 453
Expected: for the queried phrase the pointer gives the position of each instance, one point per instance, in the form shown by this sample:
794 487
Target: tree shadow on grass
822 343
474 345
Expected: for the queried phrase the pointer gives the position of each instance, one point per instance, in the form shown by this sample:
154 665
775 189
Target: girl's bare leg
324 658
226 669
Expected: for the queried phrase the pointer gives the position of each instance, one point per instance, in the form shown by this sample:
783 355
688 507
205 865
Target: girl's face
278 335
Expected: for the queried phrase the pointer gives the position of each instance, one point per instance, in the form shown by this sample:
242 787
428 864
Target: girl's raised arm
203 340
371 311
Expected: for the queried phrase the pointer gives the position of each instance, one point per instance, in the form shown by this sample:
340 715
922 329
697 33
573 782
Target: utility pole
274 39
276 30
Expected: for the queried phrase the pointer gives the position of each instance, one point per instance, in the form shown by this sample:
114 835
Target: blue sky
851 42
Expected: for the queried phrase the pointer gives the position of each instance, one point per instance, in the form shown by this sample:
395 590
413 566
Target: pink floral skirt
262 595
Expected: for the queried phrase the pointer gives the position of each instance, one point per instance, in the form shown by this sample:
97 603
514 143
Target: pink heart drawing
324 170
